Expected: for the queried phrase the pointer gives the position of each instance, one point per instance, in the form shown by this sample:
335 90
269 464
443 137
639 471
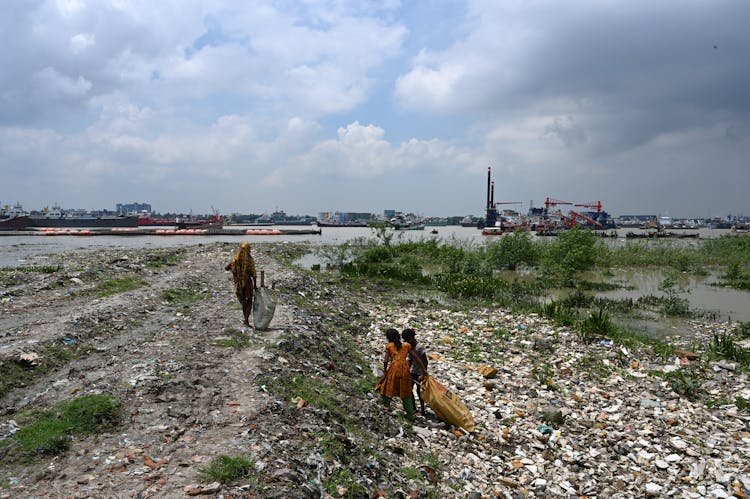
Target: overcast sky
309 106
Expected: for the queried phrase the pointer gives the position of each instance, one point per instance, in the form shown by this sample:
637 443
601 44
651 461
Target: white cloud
82 41
49 84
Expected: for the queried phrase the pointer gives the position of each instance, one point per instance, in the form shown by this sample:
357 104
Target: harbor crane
572 220
593 205
552 202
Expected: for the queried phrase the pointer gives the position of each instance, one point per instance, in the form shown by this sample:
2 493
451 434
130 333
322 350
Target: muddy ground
157 348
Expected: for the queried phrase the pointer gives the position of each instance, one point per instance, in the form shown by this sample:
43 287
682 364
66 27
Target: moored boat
14 223
82 222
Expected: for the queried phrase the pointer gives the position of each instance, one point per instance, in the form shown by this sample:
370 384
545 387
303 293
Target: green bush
574 249
376 254
513 250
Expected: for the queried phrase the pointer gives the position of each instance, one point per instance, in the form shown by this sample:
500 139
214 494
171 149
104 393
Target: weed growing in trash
685 382
49 432
226 469
114 286
433 461
723 346
343 483
596 326
411 473
593 364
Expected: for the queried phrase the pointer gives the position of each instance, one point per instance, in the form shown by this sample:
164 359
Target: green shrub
513 250
574 249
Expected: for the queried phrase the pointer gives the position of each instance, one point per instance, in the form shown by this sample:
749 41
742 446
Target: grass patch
114 286
164 260
226 469
49 431
181 296
236 340
317 393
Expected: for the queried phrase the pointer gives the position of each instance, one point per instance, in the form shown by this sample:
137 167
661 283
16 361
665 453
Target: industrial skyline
351 106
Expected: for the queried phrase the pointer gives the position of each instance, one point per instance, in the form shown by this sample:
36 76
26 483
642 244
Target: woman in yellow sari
243 272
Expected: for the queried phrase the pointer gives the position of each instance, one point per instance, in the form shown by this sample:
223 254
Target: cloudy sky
317 105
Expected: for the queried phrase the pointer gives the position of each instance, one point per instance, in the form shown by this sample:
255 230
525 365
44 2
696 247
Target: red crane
574 216
593 205
553 202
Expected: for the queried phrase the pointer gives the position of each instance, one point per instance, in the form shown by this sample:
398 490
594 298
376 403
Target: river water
727 303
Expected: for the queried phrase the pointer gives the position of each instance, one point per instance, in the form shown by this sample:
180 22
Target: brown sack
446 404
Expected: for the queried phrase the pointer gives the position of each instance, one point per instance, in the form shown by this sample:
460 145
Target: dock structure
141 231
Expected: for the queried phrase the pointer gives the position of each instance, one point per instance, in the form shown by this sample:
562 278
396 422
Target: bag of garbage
264 306
446 404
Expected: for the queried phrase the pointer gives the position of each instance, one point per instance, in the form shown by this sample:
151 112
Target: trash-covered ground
555 416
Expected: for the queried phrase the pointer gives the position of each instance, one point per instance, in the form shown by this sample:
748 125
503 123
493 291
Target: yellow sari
243 272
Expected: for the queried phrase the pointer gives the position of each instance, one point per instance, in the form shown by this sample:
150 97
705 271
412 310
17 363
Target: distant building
388 214
124 209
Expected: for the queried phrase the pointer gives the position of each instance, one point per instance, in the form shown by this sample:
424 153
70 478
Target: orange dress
397 381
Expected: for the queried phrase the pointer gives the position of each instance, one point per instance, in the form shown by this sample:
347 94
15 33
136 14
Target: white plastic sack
264 306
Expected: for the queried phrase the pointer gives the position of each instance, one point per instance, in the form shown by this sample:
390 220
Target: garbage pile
559 417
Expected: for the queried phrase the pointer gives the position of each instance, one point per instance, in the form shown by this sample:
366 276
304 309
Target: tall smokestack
489 174
492 195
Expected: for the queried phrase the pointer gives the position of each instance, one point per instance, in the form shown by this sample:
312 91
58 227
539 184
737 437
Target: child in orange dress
396 382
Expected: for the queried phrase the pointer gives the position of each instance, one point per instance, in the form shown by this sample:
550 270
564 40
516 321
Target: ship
341 224
82 222
183 222
14 223
148 221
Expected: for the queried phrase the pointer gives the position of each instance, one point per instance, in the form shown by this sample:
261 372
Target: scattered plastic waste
69 341
545 430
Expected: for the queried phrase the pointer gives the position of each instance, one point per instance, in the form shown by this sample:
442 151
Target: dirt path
186 398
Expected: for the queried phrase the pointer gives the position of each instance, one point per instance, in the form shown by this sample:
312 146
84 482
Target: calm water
16 250
727 303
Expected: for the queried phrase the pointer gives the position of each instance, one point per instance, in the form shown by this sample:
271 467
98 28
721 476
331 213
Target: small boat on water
492 231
